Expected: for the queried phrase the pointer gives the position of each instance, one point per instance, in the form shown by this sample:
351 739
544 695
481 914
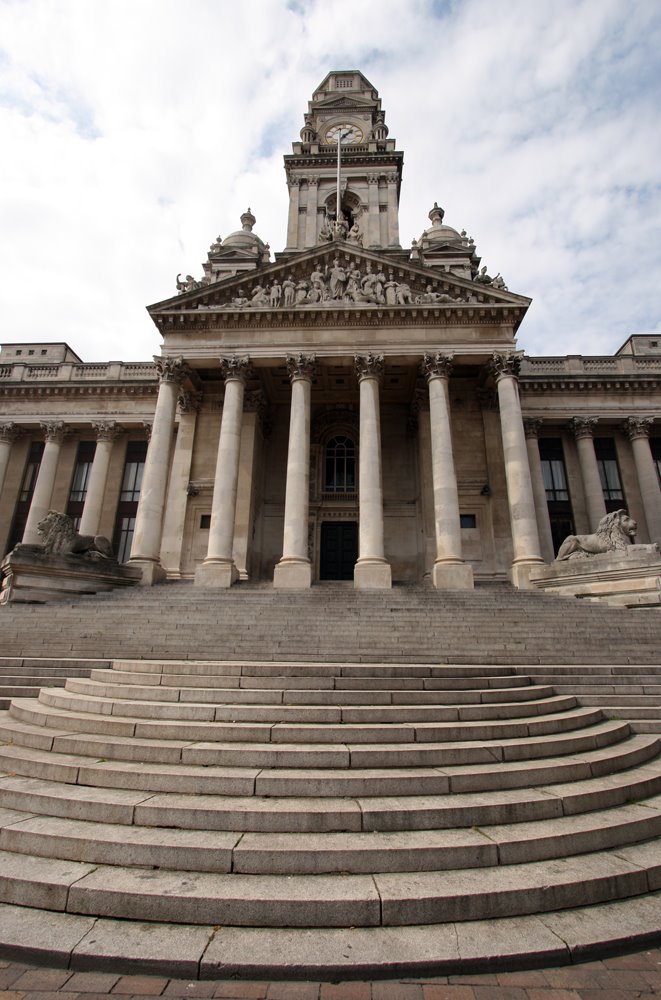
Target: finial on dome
248 220
436 215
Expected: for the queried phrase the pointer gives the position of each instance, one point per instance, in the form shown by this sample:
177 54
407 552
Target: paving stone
42 980
92 982
142 985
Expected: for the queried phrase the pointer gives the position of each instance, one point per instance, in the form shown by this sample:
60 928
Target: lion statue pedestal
605 567
65 564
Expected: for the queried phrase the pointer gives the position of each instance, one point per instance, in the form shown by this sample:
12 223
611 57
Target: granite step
323 900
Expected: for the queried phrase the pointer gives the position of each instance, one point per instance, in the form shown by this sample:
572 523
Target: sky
135 131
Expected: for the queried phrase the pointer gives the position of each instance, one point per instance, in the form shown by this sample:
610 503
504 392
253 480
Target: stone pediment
341 275
343 104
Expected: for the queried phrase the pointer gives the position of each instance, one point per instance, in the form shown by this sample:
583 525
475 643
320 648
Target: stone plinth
30 576
630 578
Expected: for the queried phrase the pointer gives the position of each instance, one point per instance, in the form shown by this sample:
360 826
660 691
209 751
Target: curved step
391 899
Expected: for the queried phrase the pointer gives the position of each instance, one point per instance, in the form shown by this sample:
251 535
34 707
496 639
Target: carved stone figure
259 297
483 278
338 280
614 534
188 285
289 289
499 282
301 295
275 294
404 296
61 538
390 289
354 235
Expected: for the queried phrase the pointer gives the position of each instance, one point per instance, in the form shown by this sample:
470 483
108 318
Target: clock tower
346 110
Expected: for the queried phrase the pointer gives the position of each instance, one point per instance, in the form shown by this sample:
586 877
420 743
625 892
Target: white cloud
134 133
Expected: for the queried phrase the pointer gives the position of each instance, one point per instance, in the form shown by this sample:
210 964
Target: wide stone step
391 899
295 853
255 813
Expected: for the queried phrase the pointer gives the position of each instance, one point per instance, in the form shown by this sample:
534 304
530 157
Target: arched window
340 465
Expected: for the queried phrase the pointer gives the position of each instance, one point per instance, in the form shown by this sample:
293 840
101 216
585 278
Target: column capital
171 369
531 426
369 366
55 430
301 366
148 426
638 427
235 369
500 365
189 401
583 427
313 180
373 178
437 365
107 430
391 178
294 181
10 432
255 402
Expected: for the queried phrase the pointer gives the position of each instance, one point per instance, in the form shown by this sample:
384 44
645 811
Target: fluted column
372 571
294 184
531 430
450 571
373 220
294 569
177 498
9 432
638 429
393 211
54 434
146 546
525 537
106 434
311 217
583 430
219 569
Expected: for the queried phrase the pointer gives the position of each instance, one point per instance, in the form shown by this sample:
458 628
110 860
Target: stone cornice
579 384
68 391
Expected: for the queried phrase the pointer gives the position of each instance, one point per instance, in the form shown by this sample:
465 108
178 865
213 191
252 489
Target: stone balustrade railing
625 364
67 371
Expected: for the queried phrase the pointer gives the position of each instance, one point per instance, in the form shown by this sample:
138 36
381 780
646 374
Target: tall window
134 467
25 495
609 473
81 475
340 466
557 492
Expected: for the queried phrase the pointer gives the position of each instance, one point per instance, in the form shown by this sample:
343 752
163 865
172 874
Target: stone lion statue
614 533
60 538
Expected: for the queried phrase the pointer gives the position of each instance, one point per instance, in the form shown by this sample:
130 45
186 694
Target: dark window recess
655 447
134 467
205 521
467 521
340 466
557 492
80 481
609 473
25 495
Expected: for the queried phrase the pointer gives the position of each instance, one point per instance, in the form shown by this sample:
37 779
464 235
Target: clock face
345 133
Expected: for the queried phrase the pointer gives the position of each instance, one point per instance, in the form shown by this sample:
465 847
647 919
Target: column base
216 574
372 575
152 572
452 576
520 573
292 575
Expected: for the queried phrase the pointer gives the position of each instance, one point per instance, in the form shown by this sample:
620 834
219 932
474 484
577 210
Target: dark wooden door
339 550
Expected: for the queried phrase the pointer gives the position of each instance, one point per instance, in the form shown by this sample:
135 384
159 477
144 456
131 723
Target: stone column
525 538
106 434
146 547
54 434
583 430
531 429
255 410
450 571
638 429
393 211
294 569
219 569
9 433
311 218
177 499
372 571
373 221
294 184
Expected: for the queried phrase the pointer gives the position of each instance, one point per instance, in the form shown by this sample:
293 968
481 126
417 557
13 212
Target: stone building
349 410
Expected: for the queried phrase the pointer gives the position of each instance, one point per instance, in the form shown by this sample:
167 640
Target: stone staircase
328 784
312 819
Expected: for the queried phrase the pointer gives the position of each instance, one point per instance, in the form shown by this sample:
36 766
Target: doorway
338 550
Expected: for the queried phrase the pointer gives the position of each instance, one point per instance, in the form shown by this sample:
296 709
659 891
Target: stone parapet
630 578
